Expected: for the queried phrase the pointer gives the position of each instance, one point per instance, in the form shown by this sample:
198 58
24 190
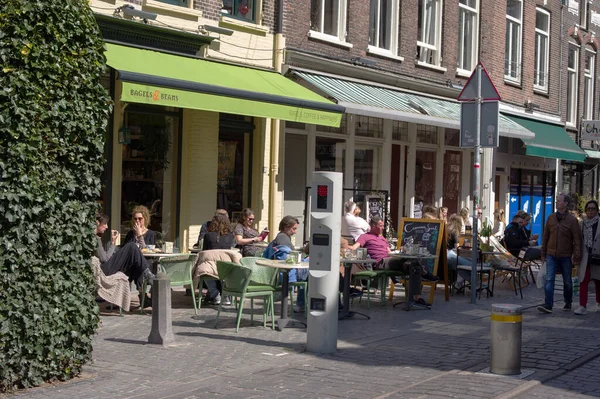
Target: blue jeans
564 265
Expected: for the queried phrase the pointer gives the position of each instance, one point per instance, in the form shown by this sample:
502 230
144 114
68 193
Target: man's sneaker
544 308
429 277
581 310
421 302
567 307
216 301
227 300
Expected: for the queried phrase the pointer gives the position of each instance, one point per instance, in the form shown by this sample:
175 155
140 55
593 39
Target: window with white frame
383 24
429 31
588 77
585 12
328 17
542 35
572 77
514 25
467 34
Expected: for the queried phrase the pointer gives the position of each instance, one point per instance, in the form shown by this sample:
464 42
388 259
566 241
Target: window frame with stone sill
572 81
464 11
542 43
429 53
376 18
584 21
187 3
589 71
512 73
253 11
337 33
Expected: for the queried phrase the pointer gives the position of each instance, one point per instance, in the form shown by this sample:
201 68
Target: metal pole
476 191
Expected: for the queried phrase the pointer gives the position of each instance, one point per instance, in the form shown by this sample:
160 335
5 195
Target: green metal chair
369 275
179 271
238 281
261 275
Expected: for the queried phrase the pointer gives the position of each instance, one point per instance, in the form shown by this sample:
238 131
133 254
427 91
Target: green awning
551 141
151 77
380 101
592 153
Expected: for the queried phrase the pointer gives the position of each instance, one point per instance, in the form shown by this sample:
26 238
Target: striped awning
371 99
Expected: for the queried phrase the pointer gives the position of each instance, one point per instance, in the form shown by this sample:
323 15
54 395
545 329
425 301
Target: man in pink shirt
379 249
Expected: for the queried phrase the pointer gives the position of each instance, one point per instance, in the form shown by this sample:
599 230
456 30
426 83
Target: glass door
149 168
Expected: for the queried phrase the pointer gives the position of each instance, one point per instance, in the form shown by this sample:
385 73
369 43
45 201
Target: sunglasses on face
250 219
138 218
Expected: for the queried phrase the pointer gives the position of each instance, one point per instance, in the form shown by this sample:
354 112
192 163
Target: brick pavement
425 354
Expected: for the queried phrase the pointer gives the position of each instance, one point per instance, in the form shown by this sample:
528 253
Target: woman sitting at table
453 229
280 247
246 235
128 259
140 234
219 236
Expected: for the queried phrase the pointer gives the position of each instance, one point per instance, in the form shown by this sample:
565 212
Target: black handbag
594 260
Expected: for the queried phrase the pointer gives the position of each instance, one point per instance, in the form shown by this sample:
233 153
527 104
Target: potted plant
485 232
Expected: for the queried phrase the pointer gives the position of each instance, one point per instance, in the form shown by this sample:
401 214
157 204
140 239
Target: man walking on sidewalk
561 243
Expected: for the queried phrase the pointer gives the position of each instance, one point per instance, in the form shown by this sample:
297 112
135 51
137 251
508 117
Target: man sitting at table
515 237
128 259
379 249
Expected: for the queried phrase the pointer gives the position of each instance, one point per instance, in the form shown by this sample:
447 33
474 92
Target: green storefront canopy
551 141
151 77
592 153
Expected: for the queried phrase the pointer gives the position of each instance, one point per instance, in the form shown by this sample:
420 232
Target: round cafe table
345 312
155 257
409 303
283 321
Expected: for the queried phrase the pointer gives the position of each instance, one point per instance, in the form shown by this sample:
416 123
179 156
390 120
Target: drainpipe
275 123
560 68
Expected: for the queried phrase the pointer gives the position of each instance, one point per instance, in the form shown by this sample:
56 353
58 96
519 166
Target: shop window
366 167
241 9
367 126
503 145
330 154
149 169
234 162
427 134
425 177
518 147
295 125
452 137
400 131
330 129
452 180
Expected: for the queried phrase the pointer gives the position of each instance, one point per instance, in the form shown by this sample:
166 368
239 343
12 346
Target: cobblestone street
396 354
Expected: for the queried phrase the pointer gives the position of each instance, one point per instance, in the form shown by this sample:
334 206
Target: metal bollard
506 339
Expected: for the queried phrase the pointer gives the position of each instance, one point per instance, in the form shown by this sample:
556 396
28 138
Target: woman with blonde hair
499 224
140 234
443 213
453 231
466 219
430 212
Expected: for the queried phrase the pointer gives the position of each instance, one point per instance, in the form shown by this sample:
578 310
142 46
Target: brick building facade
421 58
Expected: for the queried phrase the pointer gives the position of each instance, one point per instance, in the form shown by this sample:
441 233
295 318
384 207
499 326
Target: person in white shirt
352 225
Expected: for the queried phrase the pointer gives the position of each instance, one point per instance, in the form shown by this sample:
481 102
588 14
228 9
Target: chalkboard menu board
375 206
424 232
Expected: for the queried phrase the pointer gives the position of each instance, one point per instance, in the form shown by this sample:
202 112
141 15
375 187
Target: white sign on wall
590 130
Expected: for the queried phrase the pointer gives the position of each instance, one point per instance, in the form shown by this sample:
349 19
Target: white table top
160 255
281 264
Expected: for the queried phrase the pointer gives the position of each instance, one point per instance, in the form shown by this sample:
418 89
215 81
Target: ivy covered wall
53 115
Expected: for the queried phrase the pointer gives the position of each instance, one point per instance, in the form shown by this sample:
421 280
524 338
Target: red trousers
583 288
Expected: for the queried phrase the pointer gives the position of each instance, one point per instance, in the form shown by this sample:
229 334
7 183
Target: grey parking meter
323 278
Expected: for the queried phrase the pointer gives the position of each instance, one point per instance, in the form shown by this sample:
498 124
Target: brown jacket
562 239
